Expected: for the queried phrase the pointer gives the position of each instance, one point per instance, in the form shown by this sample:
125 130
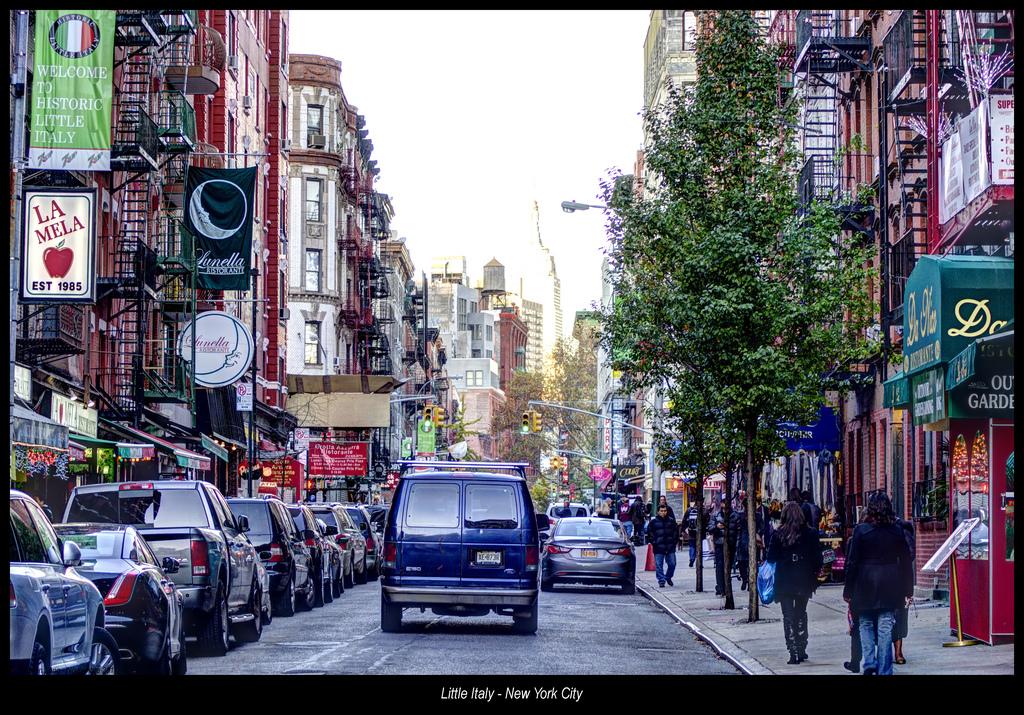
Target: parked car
144 610
189 521
282 550
335 562
378 515
57 615
461 543
347 536
374 546
588 550
319 556
555 511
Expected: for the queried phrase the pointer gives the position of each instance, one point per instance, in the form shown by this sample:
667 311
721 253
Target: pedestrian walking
638 514
762 520
663 502
796 552
743 543
903 614
814 511
852 622
624 517
663 533
723 569
690 524
879 581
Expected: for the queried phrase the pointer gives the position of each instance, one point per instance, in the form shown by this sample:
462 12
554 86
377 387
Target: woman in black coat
796 552
879 580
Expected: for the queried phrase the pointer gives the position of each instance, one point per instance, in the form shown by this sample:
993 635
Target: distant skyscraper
541 284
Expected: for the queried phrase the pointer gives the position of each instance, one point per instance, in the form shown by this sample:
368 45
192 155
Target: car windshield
589 529
328 517
258 514
94 544
140 507
298 518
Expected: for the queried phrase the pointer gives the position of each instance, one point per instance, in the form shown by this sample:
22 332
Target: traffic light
438 416
310 485
428 413
556 464
535 421
525 428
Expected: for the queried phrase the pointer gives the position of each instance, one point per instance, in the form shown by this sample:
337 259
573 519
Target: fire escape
152 287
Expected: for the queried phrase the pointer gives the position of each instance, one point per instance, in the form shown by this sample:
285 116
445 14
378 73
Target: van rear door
430 534
492 535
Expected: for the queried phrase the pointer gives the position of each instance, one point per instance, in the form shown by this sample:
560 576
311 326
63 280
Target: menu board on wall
1001 117
951 179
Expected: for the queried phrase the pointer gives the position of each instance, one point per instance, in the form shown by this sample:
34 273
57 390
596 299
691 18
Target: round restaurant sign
224 348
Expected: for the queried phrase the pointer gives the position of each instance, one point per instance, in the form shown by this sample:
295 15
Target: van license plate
488 558
590 553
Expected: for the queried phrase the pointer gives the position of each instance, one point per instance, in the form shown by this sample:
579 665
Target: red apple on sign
58 260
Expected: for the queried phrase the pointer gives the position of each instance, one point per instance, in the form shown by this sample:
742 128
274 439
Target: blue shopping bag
766 582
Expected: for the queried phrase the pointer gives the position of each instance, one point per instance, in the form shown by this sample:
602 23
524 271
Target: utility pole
255 273
18 162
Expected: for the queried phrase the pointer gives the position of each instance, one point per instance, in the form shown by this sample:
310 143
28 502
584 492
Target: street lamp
571 206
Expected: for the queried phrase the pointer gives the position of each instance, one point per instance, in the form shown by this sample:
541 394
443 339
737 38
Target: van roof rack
440 466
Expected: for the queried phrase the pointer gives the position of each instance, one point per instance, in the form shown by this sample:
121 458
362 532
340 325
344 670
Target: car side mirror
170 565
543 522
243 523
72 554
331 530
544 535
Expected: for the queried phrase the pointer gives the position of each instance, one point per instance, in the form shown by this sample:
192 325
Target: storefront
958 359
40 454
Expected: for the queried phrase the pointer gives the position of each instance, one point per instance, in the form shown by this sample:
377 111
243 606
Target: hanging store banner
220 215
974 144
980 380
928 396
73 414
350 459
223 348
823 434
58 263
72 90
1001 117
951 179
426 438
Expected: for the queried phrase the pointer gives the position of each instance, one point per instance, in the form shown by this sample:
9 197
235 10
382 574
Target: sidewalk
759 648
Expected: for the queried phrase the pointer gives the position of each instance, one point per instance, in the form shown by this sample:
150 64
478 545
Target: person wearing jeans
876 629
879 581
663 533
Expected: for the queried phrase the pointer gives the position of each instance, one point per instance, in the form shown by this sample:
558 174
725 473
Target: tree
459 430
540 492
571 379
723 282
511 446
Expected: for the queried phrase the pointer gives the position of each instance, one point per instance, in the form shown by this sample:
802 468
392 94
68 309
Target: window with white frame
313 269
312 342
313 203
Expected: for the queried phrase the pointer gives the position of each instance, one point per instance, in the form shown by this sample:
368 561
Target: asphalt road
583 631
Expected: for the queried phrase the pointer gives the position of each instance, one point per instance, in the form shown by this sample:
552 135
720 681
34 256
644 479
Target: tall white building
541 285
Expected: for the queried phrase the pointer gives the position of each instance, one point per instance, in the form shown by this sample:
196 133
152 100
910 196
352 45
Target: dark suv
282 549
461 539
319 562
361 518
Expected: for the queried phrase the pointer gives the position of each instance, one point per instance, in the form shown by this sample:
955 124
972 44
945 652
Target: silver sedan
588 550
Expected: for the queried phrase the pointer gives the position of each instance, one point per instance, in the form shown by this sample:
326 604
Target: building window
313 269
312 342
490 334
476 354
232 38
689 31
474 378
314 119
313 212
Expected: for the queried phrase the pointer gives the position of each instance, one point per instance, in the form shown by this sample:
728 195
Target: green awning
93 441
949 302
996 356
215 449
980 379
896 391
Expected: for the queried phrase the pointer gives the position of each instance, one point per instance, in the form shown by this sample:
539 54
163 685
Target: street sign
338 459
243 396
426 438
300 438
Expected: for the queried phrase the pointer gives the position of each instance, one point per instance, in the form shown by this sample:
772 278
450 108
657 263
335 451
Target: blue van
461 539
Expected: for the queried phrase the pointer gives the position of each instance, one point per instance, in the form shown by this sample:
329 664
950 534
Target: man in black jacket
663 533
690 524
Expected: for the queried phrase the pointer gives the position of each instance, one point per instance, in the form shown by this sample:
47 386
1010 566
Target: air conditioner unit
337 364
233 63
284 314
316 141
247 102
286 145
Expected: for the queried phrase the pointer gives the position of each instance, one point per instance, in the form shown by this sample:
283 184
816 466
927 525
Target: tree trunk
726 551
752 483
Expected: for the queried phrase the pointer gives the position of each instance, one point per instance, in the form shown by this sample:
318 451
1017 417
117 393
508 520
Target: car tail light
532 557
14 599
552 549
390 555
369 543
276 553
121 592
342 539
200 558
310 542
624 551
135 485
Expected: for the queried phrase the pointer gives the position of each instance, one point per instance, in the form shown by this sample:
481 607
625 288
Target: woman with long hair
796 552
879 581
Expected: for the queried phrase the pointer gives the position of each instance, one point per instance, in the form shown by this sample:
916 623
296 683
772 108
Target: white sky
473 114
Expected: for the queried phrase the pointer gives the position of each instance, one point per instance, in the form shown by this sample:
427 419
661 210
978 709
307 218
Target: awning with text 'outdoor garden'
185 457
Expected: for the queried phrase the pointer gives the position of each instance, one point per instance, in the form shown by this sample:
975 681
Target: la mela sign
58 256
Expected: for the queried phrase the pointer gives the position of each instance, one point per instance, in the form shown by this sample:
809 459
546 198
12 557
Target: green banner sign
72 90
426 438
949 302
896 391
928 396
219 214
980 380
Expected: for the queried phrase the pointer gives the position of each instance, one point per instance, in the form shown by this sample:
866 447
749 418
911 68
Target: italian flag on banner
75 36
